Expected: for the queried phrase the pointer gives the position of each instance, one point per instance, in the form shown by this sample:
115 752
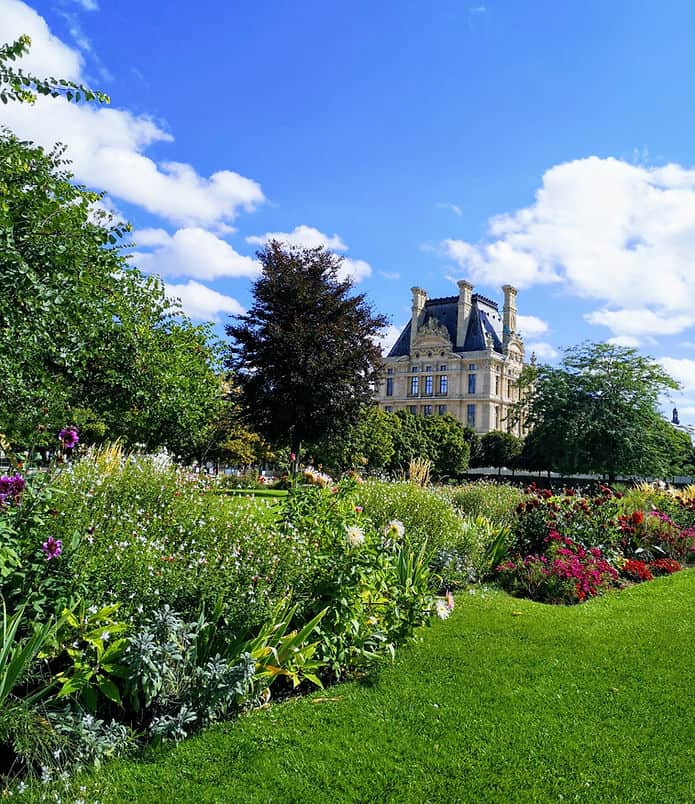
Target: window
428 385
441 410
470 416
412 409
389 386
428 369
472 367
442 367
414 386
471 383
497 386
388 408
414 369
427 410
389 371
443 384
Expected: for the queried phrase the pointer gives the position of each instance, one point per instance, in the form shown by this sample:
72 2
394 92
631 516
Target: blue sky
544 144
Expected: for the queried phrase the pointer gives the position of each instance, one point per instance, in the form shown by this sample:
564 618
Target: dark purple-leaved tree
305 356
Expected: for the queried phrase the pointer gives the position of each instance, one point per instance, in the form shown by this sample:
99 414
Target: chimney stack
464 310
508 313
418 308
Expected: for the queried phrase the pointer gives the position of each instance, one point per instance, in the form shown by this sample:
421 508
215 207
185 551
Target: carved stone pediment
432 334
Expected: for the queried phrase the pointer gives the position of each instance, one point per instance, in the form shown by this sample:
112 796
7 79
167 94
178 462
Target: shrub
496 501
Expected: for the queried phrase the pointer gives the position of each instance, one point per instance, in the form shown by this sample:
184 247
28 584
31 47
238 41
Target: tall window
442 367
414 369
389 386
414 386
427 410
472 367
443 384
428 385
389 371
412 409
471 383
441 410
497 386
470 416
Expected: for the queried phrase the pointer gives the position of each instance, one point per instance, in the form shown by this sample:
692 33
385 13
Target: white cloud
309 237
87 5
107 146
625 340
190 252
682 370
203 303
389 337
530 326
642 322
302 236
543 350
608 230
391 275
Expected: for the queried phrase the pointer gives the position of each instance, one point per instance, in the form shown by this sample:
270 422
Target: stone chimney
464 310
508 313
418 313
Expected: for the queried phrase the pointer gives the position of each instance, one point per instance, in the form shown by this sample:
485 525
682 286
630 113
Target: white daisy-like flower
354 535
394 529
441 609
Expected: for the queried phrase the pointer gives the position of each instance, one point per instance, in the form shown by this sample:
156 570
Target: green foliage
597 411
499 449
304 356
16 85
496 501
366 445
97 337
94 645
428 516
441 439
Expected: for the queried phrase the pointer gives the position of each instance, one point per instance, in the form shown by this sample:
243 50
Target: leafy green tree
500 449
366 445
84 337
597 411
450 450
305 355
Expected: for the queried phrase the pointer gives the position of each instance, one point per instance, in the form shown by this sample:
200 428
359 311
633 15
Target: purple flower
69 437
11 487
52 548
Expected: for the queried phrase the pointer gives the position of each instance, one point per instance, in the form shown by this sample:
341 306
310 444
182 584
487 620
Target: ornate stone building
459 356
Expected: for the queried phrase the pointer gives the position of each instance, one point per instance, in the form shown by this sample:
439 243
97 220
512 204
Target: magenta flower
69 437
52 548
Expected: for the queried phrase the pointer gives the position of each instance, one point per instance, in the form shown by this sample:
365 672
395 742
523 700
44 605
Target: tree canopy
305 355
84 336
598 411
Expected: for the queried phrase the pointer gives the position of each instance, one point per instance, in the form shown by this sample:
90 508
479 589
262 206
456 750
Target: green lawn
506 701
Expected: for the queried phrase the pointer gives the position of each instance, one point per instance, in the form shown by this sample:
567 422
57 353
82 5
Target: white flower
394 529
441 609
105 636
354 535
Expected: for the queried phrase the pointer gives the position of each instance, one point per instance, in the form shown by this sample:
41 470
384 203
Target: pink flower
52 548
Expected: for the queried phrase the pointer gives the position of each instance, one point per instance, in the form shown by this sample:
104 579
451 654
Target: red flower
637 517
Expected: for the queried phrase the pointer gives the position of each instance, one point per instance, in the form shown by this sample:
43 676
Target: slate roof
445 311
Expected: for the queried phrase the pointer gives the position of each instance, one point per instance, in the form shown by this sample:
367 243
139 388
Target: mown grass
506 701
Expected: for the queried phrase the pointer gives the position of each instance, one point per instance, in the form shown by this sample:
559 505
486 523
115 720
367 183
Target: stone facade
458 355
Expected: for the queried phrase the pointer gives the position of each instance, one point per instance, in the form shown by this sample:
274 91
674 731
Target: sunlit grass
507 700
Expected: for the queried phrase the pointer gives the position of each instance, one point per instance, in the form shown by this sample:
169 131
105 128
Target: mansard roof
445 311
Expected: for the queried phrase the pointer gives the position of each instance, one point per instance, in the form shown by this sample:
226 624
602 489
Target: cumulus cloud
451 207
530 326
619 233
107 146
201 302
310 237
302 236
190 252
543 350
